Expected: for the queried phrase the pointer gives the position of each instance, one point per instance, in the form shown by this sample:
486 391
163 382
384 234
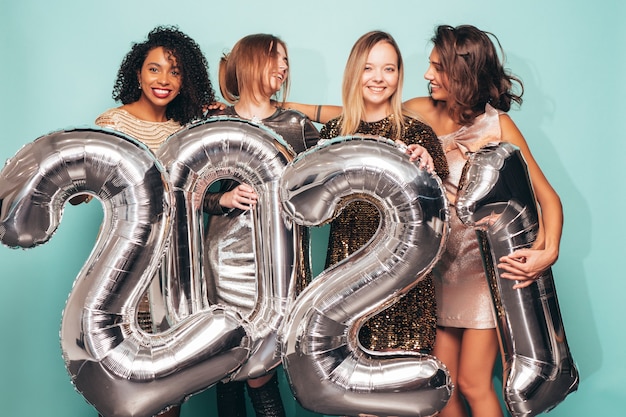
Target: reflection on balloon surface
259 241
496 198
117 367
328 370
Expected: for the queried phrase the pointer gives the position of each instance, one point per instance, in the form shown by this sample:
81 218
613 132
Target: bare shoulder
422 108
419 104
510 131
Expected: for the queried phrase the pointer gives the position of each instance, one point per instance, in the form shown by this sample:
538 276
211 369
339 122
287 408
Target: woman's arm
320 113
241 197
422 108
528 264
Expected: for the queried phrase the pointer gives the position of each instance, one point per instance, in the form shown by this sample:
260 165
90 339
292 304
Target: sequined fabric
229 238
152 134
463 295
410 323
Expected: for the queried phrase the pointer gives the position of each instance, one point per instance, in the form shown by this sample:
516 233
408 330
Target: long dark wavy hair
196 90
476 74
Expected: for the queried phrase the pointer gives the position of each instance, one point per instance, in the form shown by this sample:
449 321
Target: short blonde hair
245 66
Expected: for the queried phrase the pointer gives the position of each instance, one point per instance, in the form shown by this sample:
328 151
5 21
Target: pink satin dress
461 287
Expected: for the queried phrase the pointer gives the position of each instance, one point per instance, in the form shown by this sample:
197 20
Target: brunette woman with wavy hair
470 95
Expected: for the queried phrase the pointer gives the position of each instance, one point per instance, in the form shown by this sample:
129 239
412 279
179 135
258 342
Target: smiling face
437 78
160 78
380 78
277 70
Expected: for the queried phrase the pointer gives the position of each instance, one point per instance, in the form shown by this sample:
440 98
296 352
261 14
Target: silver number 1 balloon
496 198
328 370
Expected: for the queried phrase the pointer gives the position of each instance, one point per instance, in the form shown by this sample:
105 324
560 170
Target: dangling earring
140 86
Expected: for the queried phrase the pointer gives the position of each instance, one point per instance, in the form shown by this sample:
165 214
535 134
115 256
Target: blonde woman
372 105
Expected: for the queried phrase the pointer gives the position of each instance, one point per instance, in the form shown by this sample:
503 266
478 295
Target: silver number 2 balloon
328 370
117 367
496 198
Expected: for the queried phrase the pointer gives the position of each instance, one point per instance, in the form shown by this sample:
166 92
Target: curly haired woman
163 83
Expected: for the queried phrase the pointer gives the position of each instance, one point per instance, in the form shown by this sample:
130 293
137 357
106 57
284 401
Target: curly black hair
196 90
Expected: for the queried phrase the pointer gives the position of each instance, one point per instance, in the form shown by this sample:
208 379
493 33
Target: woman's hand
216 106
80 198
526 265
242 197
416 152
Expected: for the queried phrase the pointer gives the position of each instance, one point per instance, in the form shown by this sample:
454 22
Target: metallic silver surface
195 157
329 372
117 367
496 198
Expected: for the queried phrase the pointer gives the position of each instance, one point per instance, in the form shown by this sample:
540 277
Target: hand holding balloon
227 148
496 198
242 197
418 152
328 369
526 265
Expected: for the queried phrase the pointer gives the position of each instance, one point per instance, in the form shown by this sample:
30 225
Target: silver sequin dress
229 259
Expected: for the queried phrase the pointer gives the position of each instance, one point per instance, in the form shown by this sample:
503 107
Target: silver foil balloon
496 198
329 371
259 242
117 367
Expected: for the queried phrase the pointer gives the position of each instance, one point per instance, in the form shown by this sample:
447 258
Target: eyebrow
173 67
384 65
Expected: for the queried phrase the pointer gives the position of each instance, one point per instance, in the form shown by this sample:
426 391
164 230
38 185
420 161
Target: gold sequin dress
152 134
463 296
410 323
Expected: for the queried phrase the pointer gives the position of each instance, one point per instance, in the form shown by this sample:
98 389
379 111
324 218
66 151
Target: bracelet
318 110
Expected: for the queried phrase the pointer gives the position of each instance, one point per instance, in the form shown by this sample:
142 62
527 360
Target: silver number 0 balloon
328 370
496 198
231 148
119 369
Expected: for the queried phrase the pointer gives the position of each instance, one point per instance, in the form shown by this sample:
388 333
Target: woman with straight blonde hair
372 105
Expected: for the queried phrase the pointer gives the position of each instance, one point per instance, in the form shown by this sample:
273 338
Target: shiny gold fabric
409 324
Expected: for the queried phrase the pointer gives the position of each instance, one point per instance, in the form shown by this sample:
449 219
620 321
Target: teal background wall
58 61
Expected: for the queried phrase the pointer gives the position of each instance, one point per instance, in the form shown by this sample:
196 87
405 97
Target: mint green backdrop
58 61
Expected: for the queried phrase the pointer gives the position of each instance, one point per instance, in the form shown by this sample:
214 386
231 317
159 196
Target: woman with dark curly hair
470 95
163 84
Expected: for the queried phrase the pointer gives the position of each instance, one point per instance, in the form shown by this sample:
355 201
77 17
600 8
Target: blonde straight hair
352 93
246 67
